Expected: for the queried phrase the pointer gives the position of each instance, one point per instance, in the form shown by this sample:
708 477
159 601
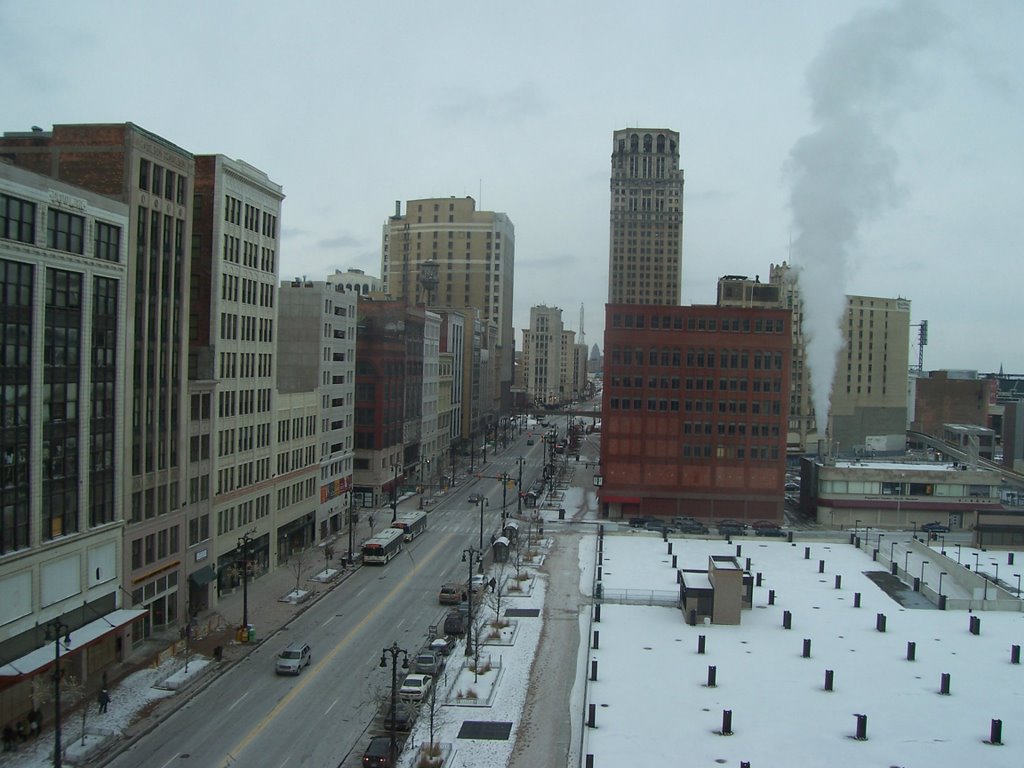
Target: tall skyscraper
646 239
445 253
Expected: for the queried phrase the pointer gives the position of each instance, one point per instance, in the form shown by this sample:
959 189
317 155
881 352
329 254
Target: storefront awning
620 499
86 635
203 576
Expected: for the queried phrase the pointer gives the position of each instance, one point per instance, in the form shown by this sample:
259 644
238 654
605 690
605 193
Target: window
17 219
65 231
108 242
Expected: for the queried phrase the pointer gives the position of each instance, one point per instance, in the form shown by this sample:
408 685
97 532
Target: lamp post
1018 583
878 544
483 503
941 574
892 549
351 521
394 495
997 571
976 555
394 651
958 554
243 543
942 547
519 508
504 492
906 561
54 630
468 555
923 564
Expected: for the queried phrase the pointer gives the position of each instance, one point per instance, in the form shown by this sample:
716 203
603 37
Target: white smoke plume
843 173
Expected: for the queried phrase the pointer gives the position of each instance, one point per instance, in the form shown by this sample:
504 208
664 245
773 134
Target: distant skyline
351 108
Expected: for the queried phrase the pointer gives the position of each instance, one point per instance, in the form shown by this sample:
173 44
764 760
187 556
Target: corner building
694 410
646 233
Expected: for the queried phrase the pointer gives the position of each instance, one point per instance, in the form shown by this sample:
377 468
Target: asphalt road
251 716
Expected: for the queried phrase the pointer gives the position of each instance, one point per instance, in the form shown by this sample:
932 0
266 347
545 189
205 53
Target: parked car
474 498
640 522
454 624
683 520
935 527
415 687
693 528
659 526
378 754
427 662
441 645
731 528
293 658
530 441
767 528
451 593
792 486
405 715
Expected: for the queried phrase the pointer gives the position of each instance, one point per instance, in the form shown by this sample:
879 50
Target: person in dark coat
492 583
104 700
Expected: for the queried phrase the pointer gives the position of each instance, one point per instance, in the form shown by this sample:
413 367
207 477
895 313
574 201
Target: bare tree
298 565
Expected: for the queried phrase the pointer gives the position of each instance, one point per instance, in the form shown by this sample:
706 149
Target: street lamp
906 561
54 630
468 555
394 650
483 503
941 574
997 571
1018 583
504 492
923 564
243 543
351 520
942 547
976 555
878 544
958 554
394 495
519 507
892 549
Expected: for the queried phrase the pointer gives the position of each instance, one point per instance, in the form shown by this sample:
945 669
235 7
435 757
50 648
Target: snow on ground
653 703
127 700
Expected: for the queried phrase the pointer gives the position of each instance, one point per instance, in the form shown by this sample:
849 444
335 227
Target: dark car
378 754
658 526
731 528
641 522
692 528
935 527
769 530
454 624
474 498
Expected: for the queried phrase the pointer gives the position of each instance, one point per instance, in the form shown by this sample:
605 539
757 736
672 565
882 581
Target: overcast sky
352 106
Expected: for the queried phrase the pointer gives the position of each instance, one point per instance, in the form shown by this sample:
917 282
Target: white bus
382 547
411 523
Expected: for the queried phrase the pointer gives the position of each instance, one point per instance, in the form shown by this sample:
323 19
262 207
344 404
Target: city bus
411 523
382 547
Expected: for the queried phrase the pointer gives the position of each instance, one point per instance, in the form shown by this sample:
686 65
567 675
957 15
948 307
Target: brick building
695 406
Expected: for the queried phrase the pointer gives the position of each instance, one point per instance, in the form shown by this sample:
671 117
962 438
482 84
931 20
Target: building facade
868 405
445 253
646 237
63 340
232 343
317 352
155 179
694 412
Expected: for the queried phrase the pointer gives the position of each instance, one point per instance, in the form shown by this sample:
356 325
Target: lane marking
328 710
238 701
261 725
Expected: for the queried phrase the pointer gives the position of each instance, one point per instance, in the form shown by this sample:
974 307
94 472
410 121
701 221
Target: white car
293 658
415 687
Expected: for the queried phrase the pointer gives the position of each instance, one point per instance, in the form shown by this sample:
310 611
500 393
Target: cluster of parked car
692 526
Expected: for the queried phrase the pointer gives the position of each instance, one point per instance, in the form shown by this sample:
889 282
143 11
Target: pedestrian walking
492 583
104 700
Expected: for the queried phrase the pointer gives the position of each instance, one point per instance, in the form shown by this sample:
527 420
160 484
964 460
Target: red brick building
695 407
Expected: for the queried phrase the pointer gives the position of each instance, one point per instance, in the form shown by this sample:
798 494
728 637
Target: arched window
634 143
661 143
648 142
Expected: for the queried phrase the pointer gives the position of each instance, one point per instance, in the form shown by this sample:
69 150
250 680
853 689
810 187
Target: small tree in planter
297 564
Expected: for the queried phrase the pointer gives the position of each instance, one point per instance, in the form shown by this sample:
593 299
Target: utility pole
520 461
243 543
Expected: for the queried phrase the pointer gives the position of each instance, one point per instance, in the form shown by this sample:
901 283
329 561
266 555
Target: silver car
293 658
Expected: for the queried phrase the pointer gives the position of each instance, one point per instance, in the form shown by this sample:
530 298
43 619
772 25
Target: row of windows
698 358
161 181
152 547
730 452
296 428
675 323
670 405
296 492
